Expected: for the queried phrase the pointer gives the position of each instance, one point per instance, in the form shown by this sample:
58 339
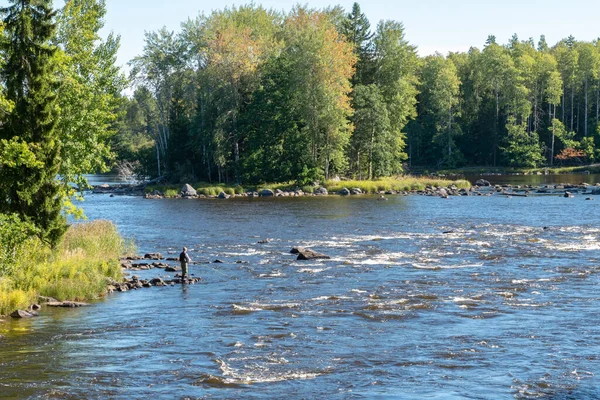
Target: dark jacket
184 257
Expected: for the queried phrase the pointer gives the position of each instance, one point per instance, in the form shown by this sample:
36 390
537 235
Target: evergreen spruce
31 190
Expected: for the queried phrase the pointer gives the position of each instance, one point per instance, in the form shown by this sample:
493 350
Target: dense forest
247 94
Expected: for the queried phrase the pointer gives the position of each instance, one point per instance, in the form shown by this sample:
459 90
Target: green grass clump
79 269
400 184
171 193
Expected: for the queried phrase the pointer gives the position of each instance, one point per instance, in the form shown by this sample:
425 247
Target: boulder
267 193
568 195
321 191
223 195
217 261
188 191
23 314
355 191
308 254
153 256
344 192
482 182
66 304
45 299
296 250
172 269
443 193
157 282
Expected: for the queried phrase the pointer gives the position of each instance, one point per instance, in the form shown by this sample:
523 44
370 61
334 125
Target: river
505 304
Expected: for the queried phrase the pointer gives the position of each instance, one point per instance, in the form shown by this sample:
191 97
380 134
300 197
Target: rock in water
267 193
308 254
23 314
153 256
188 191
344 192
482 182
66 304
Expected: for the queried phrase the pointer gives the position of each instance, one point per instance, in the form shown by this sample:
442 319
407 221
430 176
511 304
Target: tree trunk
597 103
564 105
552 149
371 153
449 133
496 124
585 110
572 107
158 158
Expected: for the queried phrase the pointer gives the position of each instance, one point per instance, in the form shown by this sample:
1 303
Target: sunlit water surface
507 305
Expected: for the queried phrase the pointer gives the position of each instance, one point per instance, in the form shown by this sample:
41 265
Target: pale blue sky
432 25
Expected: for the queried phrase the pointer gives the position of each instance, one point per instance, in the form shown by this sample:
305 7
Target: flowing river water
504 304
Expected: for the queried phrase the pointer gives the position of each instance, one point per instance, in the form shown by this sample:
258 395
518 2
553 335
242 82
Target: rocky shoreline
481 188
143 263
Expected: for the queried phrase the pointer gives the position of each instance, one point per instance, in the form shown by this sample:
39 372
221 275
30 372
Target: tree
395 74
90 92
28 177
357 31
157 69
323 65
372 135
440 89
523 149
589 66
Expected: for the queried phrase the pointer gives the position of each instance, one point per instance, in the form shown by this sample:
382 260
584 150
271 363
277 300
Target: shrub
171 193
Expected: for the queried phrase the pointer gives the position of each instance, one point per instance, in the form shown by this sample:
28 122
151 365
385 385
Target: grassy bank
403 183
77 270
593 168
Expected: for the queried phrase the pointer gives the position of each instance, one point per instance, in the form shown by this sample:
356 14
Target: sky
431 25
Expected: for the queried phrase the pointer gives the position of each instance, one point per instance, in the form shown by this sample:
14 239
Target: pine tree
357 31
31 189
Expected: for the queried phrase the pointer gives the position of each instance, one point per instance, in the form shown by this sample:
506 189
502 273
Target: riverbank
486 170
400 185
440 188
78 270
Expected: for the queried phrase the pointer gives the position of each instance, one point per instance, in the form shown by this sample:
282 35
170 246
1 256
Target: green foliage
90 93
77 269
399 184
61 97
14 233
251 95
28 183
523 148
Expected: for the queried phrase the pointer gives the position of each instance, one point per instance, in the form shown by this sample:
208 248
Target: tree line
60 98
247 94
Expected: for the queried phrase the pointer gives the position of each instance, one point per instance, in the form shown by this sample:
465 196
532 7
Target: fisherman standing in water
184 259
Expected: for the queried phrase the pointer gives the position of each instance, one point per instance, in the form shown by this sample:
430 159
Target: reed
79 269
400 184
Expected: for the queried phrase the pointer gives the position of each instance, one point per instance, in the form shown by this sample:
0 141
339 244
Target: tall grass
400 184
78 269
